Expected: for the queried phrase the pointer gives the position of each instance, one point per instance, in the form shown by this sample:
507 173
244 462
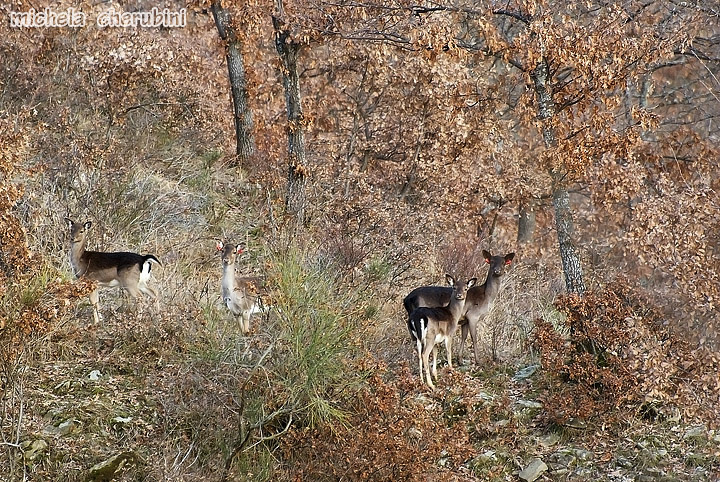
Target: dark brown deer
129 271
430 326
479 300
239 294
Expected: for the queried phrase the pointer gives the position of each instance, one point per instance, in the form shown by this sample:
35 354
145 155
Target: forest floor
101 404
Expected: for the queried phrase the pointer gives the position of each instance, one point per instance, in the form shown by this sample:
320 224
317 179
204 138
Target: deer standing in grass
430 326
130 271
480 299
239 294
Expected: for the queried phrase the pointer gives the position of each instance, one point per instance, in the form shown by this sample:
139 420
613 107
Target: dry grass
182 390
172 381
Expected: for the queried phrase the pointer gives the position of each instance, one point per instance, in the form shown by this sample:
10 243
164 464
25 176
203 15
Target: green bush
295 371
315 320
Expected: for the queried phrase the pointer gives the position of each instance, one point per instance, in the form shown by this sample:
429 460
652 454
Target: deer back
427 296
440 319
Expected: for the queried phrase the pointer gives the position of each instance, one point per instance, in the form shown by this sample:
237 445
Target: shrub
618 353
292 374
391 435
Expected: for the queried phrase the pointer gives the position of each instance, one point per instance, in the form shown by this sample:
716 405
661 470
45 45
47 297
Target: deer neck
77 250
492 286
456 307
228 279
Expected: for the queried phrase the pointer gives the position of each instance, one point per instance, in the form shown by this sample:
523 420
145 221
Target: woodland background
582 136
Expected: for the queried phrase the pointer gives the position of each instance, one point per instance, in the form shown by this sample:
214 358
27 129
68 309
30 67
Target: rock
697 434
583 454
525 373
485 459
583 473
33 450
66 427
487 456
95 375
502 423
444 458
562 458
528 404
485 396
530 473
549 440
652 473
118 422
105 471
576 423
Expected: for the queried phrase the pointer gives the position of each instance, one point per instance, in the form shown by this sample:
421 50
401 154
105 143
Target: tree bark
288 50
245 141
564 225
526 224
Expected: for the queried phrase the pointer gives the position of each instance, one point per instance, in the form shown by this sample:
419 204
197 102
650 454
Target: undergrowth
614 351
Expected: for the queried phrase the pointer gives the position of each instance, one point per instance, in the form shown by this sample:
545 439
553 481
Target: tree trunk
245 142
288 50
561 199
526 224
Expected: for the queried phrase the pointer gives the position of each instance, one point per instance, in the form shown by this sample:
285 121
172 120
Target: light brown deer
239 294
129 271
430 326
480 299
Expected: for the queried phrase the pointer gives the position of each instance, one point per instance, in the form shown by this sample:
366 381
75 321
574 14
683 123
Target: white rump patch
423 328
145 272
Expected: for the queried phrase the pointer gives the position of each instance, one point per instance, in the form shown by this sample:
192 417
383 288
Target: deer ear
238 249
219 245
69 222
450 280
487 256
509 258
471 282
87 224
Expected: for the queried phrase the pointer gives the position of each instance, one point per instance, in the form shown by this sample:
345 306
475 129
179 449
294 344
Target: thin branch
266 438
516 15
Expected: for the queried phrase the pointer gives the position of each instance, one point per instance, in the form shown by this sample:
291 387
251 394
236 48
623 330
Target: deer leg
133 290
151 292
418 344
139 286
475 341
434 367
147 290
245 322
426 362
448 349
95 301
463 335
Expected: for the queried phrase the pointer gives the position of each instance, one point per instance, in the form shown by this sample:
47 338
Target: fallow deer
430 326
479 300
239 294
129 271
